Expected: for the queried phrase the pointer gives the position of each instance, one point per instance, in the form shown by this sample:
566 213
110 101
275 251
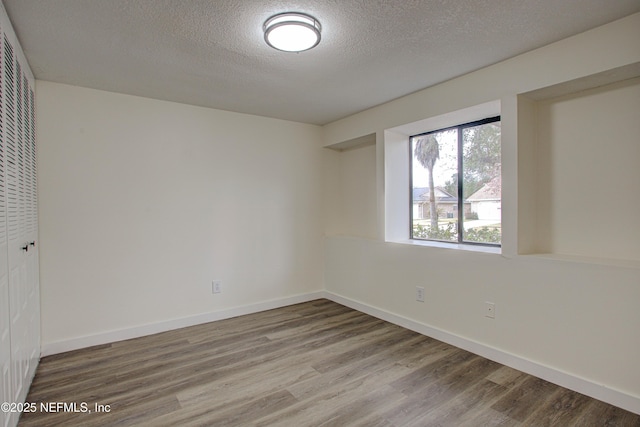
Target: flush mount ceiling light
292 32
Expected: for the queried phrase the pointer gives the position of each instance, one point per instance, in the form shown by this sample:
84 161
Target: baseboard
140 331
597 391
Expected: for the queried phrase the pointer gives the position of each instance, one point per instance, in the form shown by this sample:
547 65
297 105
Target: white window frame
396 174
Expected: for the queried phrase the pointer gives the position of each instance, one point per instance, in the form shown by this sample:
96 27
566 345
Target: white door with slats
31 231
19 283
7 131
5 330
12 136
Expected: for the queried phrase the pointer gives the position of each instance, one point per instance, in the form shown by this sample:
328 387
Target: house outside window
456 184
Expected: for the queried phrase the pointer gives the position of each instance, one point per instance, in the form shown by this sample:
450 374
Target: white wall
576 320
143 203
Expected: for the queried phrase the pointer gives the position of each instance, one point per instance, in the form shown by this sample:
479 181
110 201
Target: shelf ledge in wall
455 246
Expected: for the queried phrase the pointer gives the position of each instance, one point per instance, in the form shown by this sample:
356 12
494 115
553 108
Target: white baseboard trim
140 331
597 391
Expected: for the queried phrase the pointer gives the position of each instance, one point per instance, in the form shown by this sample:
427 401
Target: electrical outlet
489 309
419 293
216 287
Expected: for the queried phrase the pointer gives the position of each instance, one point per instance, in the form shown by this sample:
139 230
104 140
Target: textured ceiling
212 53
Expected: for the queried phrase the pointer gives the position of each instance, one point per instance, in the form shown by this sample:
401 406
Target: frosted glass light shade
292 32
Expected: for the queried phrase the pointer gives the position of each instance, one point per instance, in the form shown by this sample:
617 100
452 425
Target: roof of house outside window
492 190
421 194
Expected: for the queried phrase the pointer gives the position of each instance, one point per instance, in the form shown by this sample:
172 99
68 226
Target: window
456 184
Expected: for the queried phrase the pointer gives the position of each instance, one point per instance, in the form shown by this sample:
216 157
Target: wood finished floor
312 364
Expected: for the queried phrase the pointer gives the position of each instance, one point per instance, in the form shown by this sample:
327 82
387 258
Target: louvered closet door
17 242
30 228
11 175
19 287
6 390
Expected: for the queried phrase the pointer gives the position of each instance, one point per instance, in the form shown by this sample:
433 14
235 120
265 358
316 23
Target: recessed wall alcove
578 185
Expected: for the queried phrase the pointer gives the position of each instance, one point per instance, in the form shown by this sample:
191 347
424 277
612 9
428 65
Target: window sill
453 246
